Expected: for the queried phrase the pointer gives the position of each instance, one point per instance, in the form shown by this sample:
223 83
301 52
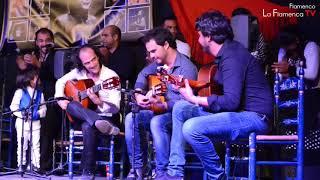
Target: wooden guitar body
153 81
73 89
77 90
206 74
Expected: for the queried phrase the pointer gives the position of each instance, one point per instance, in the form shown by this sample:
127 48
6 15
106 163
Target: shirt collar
222 50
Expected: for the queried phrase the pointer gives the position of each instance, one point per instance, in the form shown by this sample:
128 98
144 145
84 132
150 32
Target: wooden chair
294 83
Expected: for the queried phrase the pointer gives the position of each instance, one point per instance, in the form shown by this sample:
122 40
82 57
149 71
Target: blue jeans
160 129
201 129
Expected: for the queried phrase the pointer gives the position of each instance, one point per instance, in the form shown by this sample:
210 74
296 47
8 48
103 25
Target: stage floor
52 177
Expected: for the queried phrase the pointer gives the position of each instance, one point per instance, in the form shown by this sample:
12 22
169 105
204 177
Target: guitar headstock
111 83
159 89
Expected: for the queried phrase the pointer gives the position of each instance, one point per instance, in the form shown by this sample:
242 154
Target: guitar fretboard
95 88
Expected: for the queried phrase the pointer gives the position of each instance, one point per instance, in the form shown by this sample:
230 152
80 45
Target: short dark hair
25 76
241 11
115 30
44 31
87 46
289 35
171 17
215 25
160 36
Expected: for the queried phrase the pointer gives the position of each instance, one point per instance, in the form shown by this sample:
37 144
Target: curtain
187 11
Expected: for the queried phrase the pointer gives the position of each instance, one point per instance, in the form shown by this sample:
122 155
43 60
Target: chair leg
227 160
70 160
300 159
252 156
111 159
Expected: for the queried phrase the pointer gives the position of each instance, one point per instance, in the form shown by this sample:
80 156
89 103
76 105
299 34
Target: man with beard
244 106
43 58
120 58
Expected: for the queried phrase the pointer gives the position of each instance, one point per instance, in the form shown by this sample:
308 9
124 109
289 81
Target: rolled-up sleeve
61 83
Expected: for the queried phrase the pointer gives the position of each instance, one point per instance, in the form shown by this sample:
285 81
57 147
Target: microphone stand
134 109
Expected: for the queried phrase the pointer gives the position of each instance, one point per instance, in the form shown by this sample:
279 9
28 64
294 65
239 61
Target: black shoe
169 177
106 128
137 175
86 175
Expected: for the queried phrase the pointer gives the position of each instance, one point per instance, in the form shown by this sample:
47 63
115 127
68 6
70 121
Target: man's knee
128 121
156 124
190 129
86 127
180 106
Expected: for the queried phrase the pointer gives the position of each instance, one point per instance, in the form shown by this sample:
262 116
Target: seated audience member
170 23
293 48
257 46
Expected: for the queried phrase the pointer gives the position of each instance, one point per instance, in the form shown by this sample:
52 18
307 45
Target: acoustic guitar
158 89
204 86
77 90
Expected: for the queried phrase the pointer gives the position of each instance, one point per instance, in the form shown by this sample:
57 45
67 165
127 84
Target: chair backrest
294 86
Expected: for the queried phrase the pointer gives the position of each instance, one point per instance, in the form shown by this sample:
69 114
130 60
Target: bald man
120 58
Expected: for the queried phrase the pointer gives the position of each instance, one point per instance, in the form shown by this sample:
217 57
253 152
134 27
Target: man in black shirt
43 58
120 58
245 105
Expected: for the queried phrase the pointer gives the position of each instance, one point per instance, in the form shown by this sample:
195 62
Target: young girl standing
26 84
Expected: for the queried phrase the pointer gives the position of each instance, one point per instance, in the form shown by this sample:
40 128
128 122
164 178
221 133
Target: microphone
60 98
49 45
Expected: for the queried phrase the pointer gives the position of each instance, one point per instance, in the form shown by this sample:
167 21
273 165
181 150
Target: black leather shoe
106 128
86 175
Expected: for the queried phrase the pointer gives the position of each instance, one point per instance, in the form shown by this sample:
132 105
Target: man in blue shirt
161 47
244 106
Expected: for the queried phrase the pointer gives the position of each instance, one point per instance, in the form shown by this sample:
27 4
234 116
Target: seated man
161 48
244 106
107 102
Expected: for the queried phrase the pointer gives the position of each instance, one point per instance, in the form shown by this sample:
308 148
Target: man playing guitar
107 102
161 47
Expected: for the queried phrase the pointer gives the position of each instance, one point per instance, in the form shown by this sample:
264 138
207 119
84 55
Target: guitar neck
83 94
193 83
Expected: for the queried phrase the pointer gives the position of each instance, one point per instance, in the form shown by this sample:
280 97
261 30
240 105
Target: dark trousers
86 118
50 128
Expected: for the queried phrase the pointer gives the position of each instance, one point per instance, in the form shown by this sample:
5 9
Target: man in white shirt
170 23
106 100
